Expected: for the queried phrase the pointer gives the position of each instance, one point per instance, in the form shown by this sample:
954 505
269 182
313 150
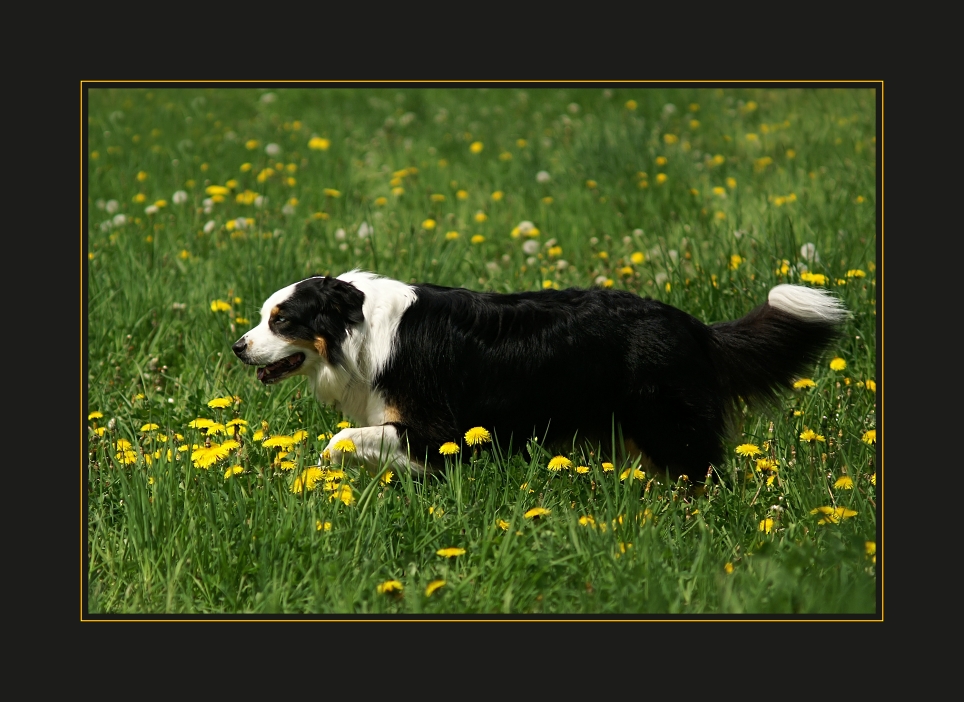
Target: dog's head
302 325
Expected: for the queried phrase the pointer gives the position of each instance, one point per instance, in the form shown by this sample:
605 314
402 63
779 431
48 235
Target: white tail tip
810 304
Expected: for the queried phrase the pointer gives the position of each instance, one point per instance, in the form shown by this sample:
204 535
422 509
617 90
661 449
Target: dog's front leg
373 447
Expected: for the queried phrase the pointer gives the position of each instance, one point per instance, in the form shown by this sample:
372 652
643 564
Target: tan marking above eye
274 311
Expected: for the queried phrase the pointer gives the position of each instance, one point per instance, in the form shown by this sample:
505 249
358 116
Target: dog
416 366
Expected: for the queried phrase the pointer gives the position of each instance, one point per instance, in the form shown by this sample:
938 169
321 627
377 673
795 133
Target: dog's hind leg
373 447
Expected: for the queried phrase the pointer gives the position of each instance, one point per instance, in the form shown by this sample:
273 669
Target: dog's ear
336 298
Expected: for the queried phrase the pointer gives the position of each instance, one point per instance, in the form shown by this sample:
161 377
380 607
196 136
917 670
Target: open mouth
278 370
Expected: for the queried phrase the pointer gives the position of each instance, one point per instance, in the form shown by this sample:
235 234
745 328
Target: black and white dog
416 366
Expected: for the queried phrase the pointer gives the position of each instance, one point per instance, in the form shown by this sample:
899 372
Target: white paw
341 447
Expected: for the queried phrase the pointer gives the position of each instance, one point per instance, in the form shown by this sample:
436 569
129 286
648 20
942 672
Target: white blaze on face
264 346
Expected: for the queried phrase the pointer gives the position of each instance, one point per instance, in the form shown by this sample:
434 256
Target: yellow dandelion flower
452 235
811 435
763 464
477 435
670 138
582 470
856 273
804 383
536 512
559 462
345 446
387 477
608 467
844 482
220 306
233 470
308 480
869 437
630 104
437 197
661 178
766 525
95 415
748 450
838 364
342 492
735 261
496 196
871 385
480 216
476 147
150 427
477 239
433 586
587 520
389 587
448 448
637 474
219 402
637 257
873 480
319 143
322 526
280 441
381 201
870 548
833 515
428 224
450 552
728 568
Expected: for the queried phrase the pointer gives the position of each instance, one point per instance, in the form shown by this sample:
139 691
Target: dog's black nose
239 346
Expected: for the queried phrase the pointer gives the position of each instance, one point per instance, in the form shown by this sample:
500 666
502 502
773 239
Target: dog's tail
778 342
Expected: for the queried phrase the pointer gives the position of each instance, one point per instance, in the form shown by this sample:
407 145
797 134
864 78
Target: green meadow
202 489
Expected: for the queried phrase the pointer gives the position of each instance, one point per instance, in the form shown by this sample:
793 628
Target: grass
701 197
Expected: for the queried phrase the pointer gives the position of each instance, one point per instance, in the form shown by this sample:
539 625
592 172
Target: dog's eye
280 320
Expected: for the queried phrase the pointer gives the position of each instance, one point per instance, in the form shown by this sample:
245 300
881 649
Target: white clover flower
562 264
241 223
364 230
530 246
179 198
669 108
151 209
272 149
111 206
543 177
209 226
119 220
268 98
525 227
532 260
100 203
600 279
573 107
288 210
260 201
808 252
661 278
340 234
492 267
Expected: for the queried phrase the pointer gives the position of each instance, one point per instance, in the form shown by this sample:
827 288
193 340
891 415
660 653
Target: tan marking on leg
392 415
633 451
